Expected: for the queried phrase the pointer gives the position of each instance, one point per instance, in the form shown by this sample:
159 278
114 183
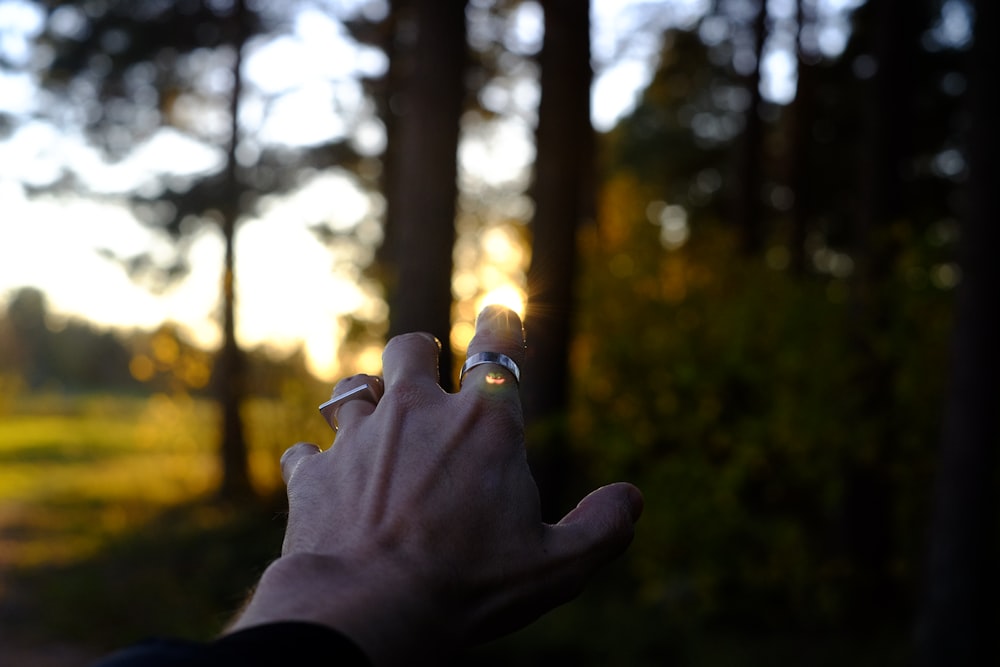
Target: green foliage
780 412
724 389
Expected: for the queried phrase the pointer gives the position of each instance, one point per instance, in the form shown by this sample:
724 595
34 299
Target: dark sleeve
286 643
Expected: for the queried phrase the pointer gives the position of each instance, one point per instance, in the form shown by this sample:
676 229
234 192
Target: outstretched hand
419 531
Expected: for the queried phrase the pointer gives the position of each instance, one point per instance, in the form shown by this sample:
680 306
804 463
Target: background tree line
42 352
742 304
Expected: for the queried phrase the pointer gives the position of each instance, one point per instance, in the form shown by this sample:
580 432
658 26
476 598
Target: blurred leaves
723 390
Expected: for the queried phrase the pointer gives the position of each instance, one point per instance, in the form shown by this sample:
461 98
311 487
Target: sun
509 296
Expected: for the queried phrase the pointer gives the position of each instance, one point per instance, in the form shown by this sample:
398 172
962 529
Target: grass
108 527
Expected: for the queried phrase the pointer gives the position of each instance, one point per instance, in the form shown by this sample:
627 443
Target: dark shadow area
605 626
182 574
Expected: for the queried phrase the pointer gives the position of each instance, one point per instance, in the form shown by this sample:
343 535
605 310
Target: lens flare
509 296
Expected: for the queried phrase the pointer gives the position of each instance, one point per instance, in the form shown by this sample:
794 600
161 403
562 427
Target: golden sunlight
461 334
369 360
502 247
509 295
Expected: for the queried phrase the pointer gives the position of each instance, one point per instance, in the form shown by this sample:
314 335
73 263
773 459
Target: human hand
419 531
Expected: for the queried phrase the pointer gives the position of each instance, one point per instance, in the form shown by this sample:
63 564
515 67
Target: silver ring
329 409
490 358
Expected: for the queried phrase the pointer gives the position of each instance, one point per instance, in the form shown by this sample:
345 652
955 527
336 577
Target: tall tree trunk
425 105
958 618
749 212
231 379
562 192
802 110
867 511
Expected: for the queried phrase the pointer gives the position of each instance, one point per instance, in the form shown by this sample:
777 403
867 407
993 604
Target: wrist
377 606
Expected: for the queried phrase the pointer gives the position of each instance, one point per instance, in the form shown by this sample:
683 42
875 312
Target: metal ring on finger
329 409
497 358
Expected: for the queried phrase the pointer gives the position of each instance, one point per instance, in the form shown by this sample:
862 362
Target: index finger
499 334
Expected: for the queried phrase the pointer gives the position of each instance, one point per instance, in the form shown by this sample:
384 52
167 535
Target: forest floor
109 532
21 645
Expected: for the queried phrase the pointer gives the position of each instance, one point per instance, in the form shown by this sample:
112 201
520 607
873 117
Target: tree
562 187
46 351
26 344
883 167
231 366
958 613
141 87
143 68
802 117
424 99
748 213
747 363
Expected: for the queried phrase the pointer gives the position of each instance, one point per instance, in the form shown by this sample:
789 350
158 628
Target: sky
288 291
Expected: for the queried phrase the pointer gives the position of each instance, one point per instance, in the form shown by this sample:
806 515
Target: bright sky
288 288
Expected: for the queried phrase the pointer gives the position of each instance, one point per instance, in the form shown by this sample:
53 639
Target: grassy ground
108 527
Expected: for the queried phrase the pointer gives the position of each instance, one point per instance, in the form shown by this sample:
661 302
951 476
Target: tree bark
425 105
802 113
231 377
868 495
958 616
562 188
749 212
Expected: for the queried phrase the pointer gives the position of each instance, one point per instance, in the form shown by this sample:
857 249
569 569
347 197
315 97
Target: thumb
295 455
600 528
